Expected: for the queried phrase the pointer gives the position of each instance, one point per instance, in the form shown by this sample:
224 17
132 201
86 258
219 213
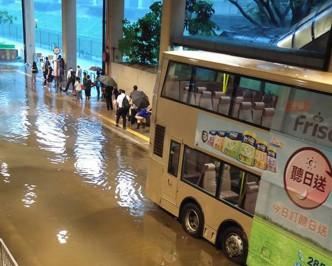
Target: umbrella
107 81
95 68
140 99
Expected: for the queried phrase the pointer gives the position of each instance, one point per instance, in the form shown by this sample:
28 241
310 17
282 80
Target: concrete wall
126 77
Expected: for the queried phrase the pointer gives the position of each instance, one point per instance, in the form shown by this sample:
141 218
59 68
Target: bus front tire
192 220
235 245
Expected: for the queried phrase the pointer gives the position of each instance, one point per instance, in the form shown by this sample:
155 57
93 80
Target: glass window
226 182
239 188
11 32
255 101
270 28
200 170
306 115
174 155
177 80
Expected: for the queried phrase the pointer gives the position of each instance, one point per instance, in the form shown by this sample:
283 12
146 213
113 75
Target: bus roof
296 76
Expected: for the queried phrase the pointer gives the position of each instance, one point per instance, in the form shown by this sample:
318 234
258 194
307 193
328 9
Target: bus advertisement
293 208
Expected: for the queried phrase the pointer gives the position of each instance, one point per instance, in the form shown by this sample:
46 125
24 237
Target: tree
140 43
198 18
276 13
6 18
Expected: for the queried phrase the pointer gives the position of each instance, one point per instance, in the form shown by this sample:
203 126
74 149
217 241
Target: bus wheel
192 220
235 245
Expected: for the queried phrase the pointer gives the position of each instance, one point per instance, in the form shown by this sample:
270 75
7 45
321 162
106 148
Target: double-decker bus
240 153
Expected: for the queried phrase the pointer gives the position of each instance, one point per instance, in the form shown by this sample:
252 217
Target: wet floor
72 191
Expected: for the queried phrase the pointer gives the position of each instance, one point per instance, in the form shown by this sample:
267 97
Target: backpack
125 103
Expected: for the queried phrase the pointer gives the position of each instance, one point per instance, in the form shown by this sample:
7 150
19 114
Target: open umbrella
95 68
107 81
140 99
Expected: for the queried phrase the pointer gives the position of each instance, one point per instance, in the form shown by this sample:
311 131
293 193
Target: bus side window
250 196
174 155
171 89
200 170
227 188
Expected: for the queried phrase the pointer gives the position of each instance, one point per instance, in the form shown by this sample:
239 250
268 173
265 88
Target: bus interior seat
226 186
226 179
188 96
215 99
224 104
257 96
172 89
198 94
206 100
236 107
207 179
274 101
251 197
240 91
267 99
247 95
245 112
267 117
183 84
257 112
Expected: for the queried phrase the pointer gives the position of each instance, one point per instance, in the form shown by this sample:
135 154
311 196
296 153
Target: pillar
69 43
29 30
172 23
114 18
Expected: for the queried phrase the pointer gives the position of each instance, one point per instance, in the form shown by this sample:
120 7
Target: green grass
271 245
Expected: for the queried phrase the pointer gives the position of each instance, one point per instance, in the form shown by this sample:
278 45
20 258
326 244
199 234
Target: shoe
138 125
117 125
124 128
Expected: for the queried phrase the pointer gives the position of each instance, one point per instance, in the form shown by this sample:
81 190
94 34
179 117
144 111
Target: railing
6 258
87 47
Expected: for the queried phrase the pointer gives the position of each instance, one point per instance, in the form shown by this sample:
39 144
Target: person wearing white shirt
123 108
70 79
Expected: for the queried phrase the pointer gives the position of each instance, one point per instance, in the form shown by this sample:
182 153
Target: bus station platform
94 107
140 137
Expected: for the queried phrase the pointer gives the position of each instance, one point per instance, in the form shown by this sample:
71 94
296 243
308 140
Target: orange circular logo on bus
307 178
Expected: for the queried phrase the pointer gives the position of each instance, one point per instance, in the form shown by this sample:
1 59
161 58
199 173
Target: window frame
235 89
222 164
175 174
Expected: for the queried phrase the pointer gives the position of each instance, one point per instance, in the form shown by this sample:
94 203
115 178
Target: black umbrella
107 81
140 99
95 68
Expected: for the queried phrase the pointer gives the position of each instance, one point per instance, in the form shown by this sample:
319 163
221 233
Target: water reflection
50 134
63 236
89 154
30 196
14 121
4 172
128 192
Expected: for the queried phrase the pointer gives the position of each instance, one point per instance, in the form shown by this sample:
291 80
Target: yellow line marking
104 117
128 129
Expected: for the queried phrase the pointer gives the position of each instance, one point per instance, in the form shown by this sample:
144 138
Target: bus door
170 177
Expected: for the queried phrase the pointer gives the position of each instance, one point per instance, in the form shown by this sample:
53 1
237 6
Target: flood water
72 191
